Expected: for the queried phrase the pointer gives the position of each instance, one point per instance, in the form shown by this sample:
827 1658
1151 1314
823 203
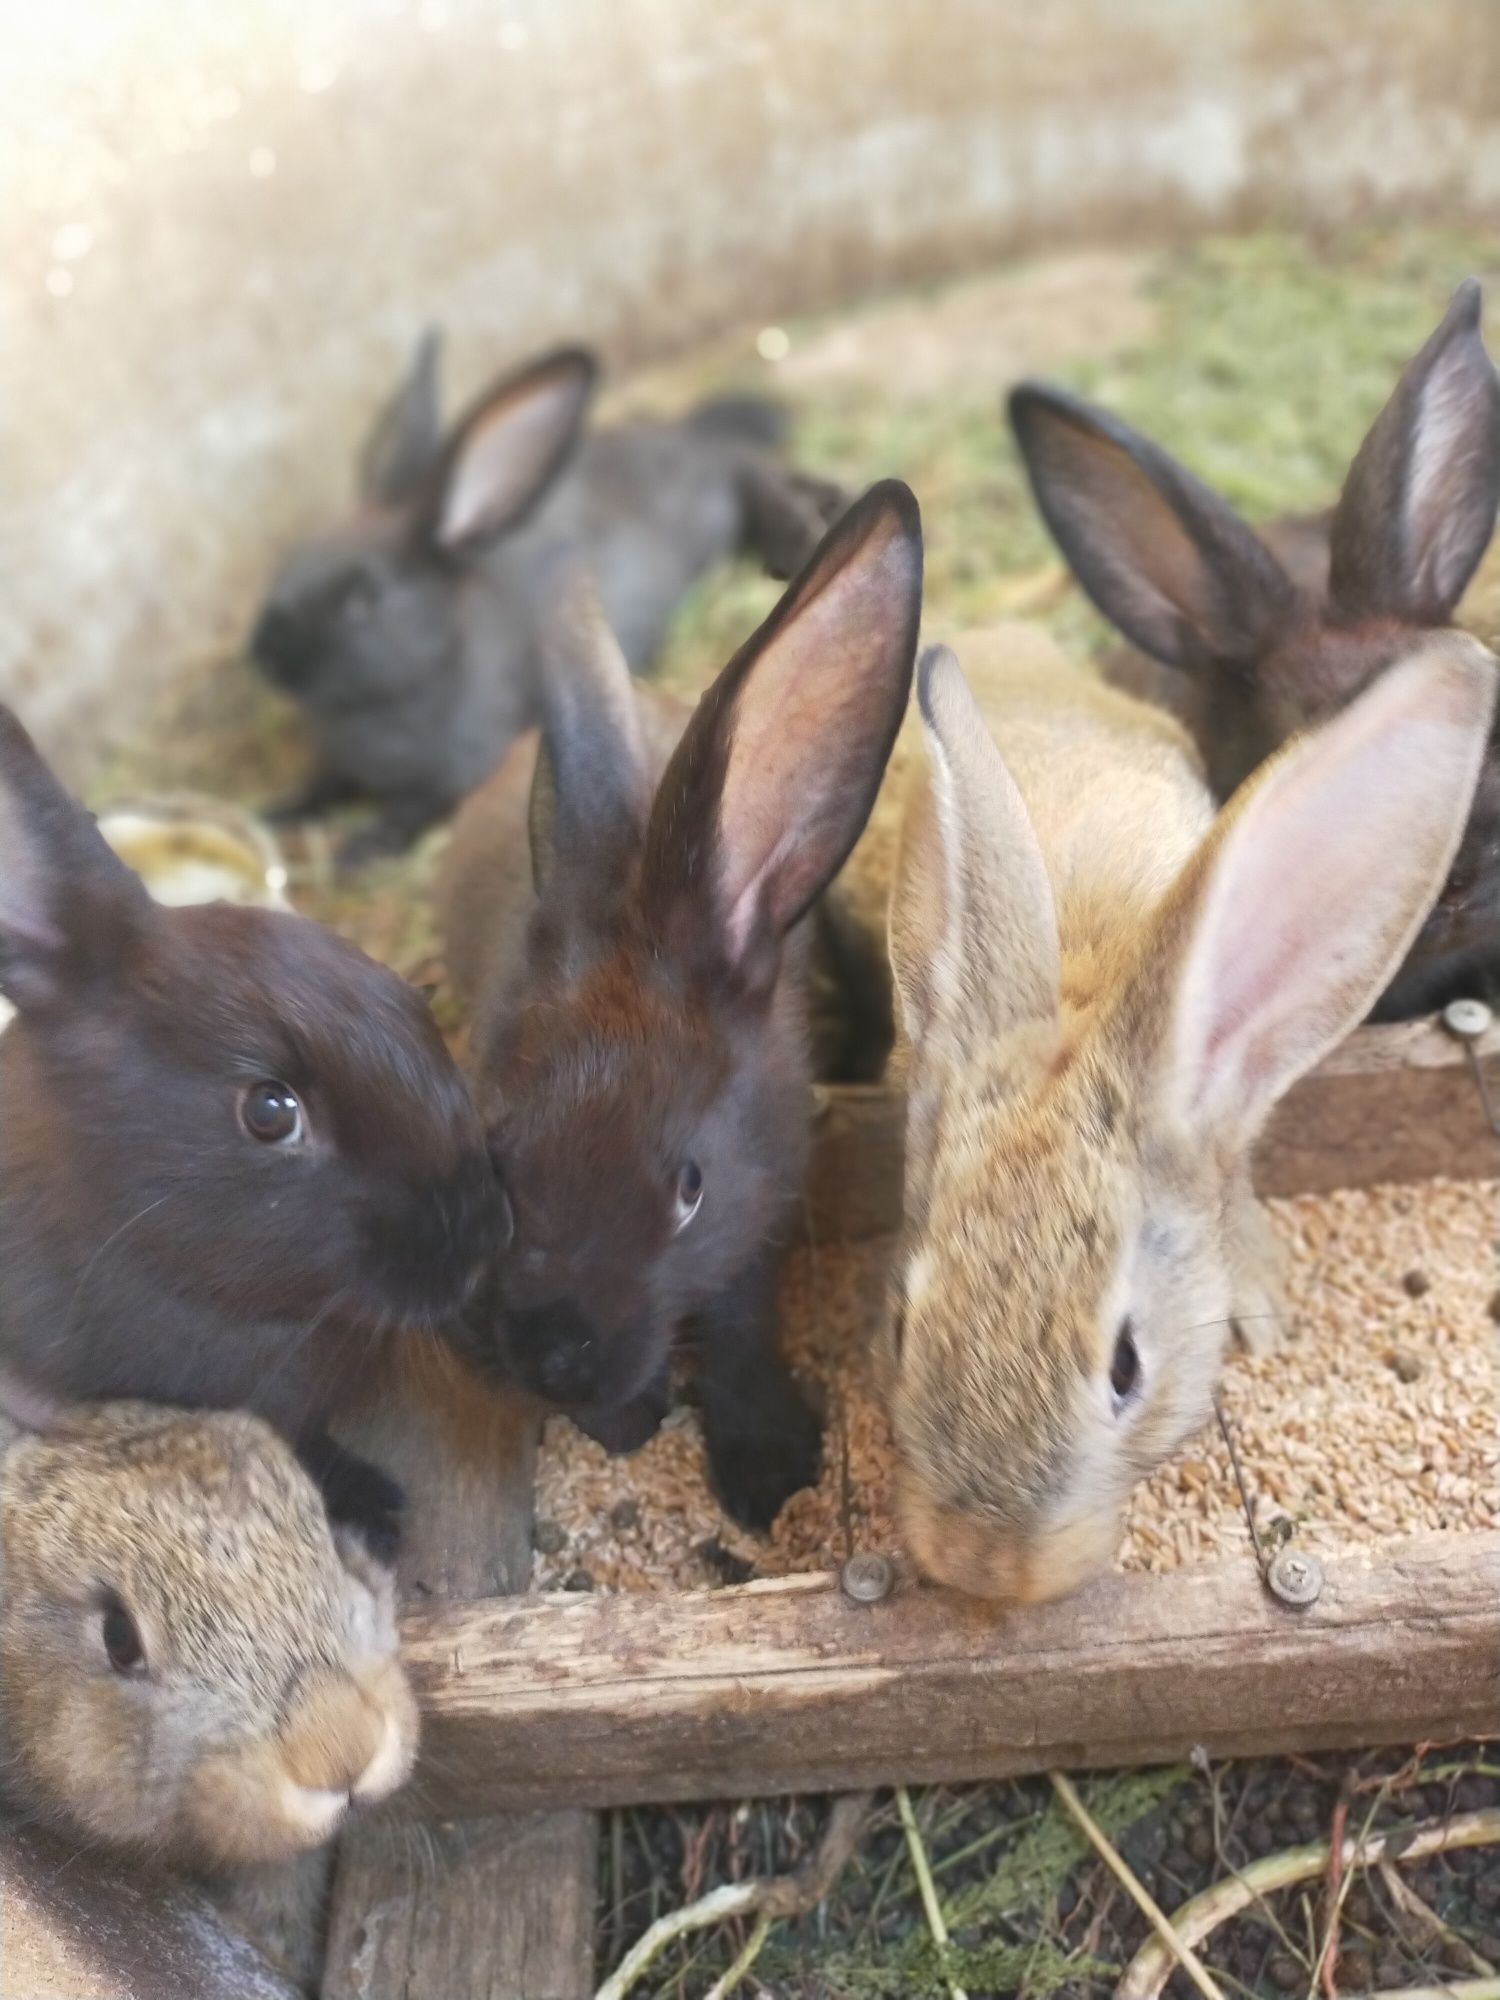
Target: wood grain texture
500 1908
1394 1103
786 1686
436 1908
79 1926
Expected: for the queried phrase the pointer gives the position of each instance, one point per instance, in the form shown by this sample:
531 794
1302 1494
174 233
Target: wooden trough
545 1706
788 1684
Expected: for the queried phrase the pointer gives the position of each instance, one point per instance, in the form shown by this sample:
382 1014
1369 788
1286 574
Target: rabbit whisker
140 1215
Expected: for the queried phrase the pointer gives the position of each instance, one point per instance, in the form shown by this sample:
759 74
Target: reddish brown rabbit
234 1153
641 1039
1266 634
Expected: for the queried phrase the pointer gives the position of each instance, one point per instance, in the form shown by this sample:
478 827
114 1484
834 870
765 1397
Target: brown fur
270 1696
1105 994
1251 639
642 1012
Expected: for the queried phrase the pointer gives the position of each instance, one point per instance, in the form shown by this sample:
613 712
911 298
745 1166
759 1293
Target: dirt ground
1260 361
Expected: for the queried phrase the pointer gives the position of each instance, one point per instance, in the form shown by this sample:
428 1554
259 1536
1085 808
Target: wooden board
485 1909
1395 1103
79 1926
787 1686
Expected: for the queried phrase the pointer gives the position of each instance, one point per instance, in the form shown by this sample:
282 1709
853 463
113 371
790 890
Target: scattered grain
1343 1440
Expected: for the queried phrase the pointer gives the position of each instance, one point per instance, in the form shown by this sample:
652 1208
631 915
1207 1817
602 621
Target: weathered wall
223 220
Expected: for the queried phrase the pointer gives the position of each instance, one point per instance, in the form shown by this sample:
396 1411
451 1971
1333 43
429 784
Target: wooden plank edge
1393 1103
786 1686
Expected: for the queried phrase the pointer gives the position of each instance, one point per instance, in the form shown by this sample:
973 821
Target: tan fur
1063 1171
270 1693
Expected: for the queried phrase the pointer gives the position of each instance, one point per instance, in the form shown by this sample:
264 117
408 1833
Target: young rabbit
1105 995
641 1039
1265 634
408 633
192 1664
233 1152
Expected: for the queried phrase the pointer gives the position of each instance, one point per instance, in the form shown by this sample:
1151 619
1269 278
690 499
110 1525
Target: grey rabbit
408 632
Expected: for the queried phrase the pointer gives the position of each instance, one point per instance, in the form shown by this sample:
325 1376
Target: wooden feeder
542 1704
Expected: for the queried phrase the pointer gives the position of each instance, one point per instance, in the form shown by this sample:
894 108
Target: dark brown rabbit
234 1153
1265 634
641 1034
408 632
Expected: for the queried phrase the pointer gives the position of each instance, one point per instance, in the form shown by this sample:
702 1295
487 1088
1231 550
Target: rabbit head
230 1103
645 1076
1079 1231
371 610
1269 652
191 1665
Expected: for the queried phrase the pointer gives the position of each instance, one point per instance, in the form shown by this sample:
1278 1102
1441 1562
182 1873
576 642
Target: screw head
867 1578
1295 1578
1467 1018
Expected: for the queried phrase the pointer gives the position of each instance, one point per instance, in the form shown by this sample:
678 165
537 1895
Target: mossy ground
1259 359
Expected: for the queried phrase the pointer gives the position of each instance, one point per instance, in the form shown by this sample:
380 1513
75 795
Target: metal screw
1467 1018
867 1578
1295 1578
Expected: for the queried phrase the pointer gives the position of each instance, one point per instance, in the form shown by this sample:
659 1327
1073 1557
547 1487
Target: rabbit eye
1125 1366
272 1114
122 1639
689 1193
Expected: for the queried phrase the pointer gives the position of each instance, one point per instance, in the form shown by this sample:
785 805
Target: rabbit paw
358 1495
762 1457
628 1426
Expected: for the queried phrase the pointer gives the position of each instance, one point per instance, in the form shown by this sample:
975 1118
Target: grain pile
1376 1417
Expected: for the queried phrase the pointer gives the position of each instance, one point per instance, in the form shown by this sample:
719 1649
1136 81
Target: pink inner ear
808 724
1323 878
507 455
1448 446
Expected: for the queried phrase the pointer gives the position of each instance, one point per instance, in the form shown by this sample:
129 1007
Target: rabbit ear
403 446
1289 921
590 795
1418 508
1166 560
973 923
776 773
69 907
511 446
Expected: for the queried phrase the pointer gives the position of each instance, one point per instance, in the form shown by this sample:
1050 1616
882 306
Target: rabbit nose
280 644
555 1352
387 1768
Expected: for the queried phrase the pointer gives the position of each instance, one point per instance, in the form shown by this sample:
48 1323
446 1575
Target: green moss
1268 358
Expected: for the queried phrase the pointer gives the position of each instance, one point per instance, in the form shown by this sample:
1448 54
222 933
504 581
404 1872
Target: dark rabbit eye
1125 1366
272 1114
122 1640
689 1192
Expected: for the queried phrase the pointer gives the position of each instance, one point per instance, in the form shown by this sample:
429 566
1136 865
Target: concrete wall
223 220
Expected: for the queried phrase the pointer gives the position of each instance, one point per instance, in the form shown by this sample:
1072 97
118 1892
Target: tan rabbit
1106 993
192 1664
